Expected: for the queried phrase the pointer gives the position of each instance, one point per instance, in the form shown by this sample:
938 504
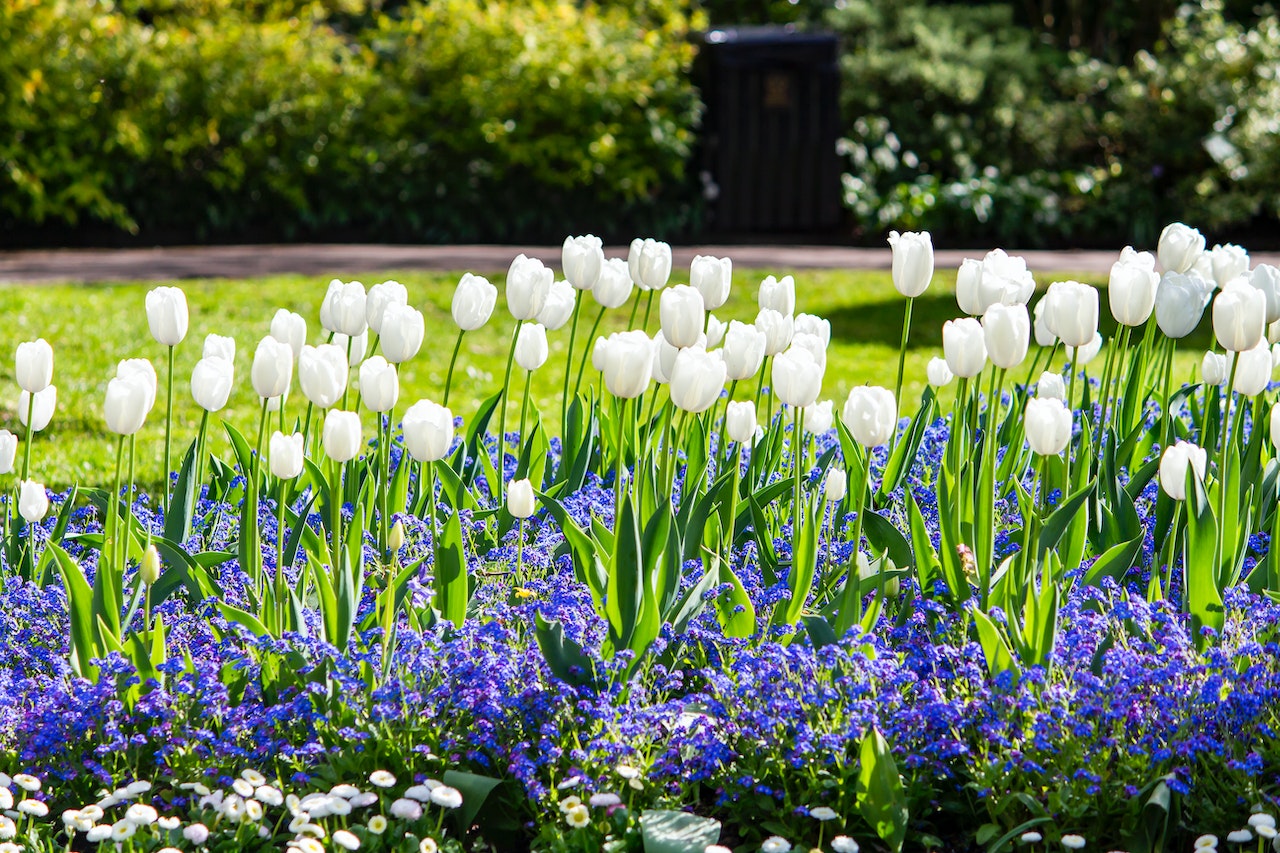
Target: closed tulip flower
381 297
1213 368
835 485
353 347
740 421
969 295
1227 262
938 372
1040 326
778 295
1048 426
341 436
1006 332
286 455
219 346
649 263
1174 464
167 315
41 406
697 378
272 368
597 353
473 302
964 345
1071 310
628 364
912 262
428 431
33 501
664 358
1275 432
528 283
322 373
582 258
1131 290
820 417
326 305
290 328
559 306
34 365
1179 248
810 324
531 346
520 502
144 371
345 309
1253 370
1180 303
778 330
1051 387
712 277
797 378
1088 352
813 344
1266 278
682 313
379 384
9 450
1239 317
211 382
403 329
744 348
871 414
613 287
127 404
715 330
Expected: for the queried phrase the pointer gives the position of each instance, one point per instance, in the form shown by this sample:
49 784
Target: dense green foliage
446 120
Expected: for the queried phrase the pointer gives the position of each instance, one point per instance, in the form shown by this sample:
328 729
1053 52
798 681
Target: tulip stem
453 359
582 362
306 426
524 412
112 543
133 456
280 536
902 361
648 309
619 466
168 433
851 597
764 370
347 387
1167 419
1119 352
26 450
568 360
1071 397
201 438
1224 455
502 412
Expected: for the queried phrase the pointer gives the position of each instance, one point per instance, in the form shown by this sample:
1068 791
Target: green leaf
666 831
1062 519
881 797
886 538
177 521
475 790
564 657
450 571
994 648
1204 598
906 451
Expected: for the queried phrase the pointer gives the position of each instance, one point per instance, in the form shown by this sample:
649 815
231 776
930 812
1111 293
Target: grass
92 327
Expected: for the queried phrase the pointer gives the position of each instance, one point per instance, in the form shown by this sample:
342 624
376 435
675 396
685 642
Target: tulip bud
41 406
1227 262
286 455
649 263
740 421
1213 368
1173 468
211 382
813 344
167 315
682 314
969 294
428 431
290 328
379 384
597 353
1275 428
272 368
327 321
1047 426
127 403
1043 334
219 346
344 309
836 485
871 414
809 324
712 277
9 450
1071 310
744 347
1179 248
1051 387
819 418
912 262
531 346
395 539
528 282
1088 352
1006 332
341 435
1180 302
403 329
778 295
938 373
797 378
998 278
34 365
664 358
715 330
1253 370
1239 317
473 302
697 378
322 373
149 571
520 499
582 258
778 330
964 346
628 364
381 297
613 287
1266 278
559 305
1131 290
33 501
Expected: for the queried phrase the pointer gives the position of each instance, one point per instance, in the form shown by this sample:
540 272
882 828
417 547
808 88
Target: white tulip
938 372
211 382
531 346
403 329
428 431
871 414
964 345
1006 332
1227 262
1253 370
740 421
344 308
286 455
712 277
912 262
127 403
272 368
342 435
381 297
820 417
9 450
1266 278
33 501
649 263
613 287
473 301
33 365
581 259
835 485
1047 426
682 313
1180 303
778 295
558 308
528 283
778 330
797 378
289 328
1213 368
1088 352
1071 311
628 364
379 384
354 346
810 324
219 346
41 405
1040 326
520 501
744 349
1239 317
1131 290
697 378
167 315
1174 464
715 330
1179 248
1050 386
323 374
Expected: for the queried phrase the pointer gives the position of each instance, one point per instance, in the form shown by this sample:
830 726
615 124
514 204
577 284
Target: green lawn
91 327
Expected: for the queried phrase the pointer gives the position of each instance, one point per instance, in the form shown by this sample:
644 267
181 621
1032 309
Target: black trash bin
768 158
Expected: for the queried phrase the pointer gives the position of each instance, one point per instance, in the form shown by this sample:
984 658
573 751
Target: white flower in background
1131 290
581 259
1213 368
811 324
778 329
196 833
649 263
343 310
820 417
473 302
272 369
912 262
713 278
289 328
382 779
41 407
1174 464
775 844
528 283
381 297
715 331
613 287
167 315
403 328
1239 317
1253 370
1227 262
377 824
1239 836
33 365
443 795
778 295
964 345
346 840
219 346
578 817
1179 247
1088 352
999 277
1073 842
1040 326
558 308
823 813
1266 278
938 372
1050 386
844 844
